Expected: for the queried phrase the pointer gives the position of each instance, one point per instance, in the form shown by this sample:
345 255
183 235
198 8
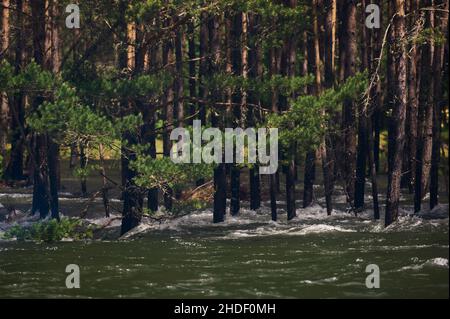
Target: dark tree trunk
425 129
220 185
4 99
413 103
437 102
203 66
273 197
83 165
131 195
329 64
255 71
239 57
374 102
192 49
15 167
132 199
288 69
362 148
53 151
290 191
394 177
310 176
348 61
274 181
311 65
179 82
53 57
41 194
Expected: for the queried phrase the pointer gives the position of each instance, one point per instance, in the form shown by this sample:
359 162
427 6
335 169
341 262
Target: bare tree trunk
413 101
274 69
394 177
192 67
329 68
255 71
15 167
41 196
4 103
438 101
128 56
348 66
362 149
425 129
290 170
239 66
220 185
375 105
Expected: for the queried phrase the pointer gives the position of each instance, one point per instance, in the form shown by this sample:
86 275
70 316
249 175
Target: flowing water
247 256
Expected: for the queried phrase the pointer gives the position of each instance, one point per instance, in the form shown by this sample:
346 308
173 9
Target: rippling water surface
247 256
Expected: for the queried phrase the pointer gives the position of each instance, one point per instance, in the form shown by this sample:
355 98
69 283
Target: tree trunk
438 101
289 71
192 49
425 129
239 67
329 66
15 167
362 148
394 177
41 196
310 176
4 103
255 71
83 165
274 69
132 199
348 61
375 105
413 102
220 185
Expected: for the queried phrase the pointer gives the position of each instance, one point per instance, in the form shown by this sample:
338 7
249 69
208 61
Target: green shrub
51 230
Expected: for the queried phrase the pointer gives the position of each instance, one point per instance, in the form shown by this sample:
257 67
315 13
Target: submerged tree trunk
425 129
220 185
239 67
362 148
310 175
329 70
132 197
255 71
438 101
413 102
273 181
394 177
41 196
348 66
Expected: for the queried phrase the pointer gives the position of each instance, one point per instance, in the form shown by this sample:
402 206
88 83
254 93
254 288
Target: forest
92 89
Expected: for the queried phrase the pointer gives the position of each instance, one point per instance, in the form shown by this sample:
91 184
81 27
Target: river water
313 256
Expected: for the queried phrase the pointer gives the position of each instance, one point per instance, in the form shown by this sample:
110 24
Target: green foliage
303 125
51 230
69 121
164 173
189 205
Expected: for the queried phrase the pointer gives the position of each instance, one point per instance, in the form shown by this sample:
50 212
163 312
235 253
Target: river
248 256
